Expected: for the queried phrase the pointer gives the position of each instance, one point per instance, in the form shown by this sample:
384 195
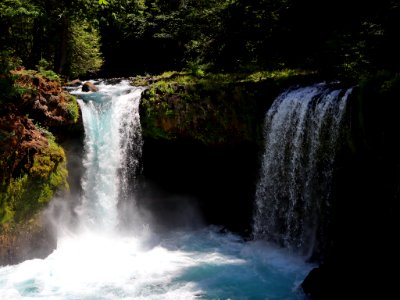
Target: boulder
75 82
89 87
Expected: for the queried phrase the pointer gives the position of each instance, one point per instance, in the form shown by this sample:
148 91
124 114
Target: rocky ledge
33 165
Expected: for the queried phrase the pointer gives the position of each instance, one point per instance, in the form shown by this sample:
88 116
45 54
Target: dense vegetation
77 37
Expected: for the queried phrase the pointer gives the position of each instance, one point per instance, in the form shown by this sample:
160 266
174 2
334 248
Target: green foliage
85 55
196 69
17 8
73 109
39 29
164 87
44 68
171 78
17 21
8 62
43 64
276 74
21 90
202 35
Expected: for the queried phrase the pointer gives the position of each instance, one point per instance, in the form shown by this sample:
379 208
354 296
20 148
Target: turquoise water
202 264
96 261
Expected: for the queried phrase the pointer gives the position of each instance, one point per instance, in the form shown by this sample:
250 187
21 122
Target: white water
293 194
113 144
94 260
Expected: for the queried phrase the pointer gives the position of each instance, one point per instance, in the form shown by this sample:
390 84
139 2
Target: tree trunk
62 51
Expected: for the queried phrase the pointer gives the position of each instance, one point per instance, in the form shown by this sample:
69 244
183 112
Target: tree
48 29
85 57
17 20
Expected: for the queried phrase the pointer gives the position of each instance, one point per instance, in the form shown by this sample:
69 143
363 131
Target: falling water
95 260
113 146
294 190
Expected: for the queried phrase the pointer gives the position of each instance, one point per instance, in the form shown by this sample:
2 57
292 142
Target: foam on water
203 264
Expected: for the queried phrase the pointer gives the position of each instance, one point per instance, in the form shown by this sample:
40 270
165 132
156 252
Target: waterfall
113 144
293 195
98 260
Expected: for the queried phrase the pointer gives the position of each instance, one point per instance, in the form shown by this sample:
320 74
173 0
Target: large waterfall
113 144
95 259
293 196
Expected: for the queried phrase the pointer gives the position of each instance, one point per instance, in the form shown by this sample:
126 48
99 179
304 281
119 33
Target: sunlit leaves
17 8
85 53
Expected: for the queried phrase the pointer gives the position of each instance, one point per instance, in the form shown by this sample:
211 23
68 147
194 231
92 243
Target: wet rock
75 82
89 87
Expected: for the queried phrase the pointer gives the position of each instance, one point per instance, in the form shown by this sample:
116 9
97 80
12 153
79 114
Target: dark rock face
220 178
27 241
366 191
89 87
316 283
204 143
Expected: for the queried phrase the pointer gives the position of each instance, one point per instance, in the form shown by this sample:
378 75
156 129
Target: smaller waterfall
294 190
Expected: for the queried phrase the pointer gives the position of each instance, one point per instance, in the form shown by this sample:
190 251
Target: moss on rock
33 179
33 166
211 109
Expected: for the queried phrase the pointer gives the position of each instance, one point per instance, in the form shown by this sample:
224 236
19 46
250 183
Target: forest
88 38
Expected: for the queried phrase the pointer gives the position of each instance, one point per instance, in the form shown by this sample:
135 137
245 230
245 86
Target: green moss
276 74
212 108
164 87
73 108
139 81
219 78
22 197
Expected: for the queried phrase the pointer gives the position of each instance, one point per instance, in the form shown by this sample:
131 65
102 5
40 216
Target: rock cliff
33 165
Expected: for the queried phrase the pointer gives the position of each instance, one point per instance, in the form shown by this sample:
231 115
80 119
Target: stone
75 82
89 87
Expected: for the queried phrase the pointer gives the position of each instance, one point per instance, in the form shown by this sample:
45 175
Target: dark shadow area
221 179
